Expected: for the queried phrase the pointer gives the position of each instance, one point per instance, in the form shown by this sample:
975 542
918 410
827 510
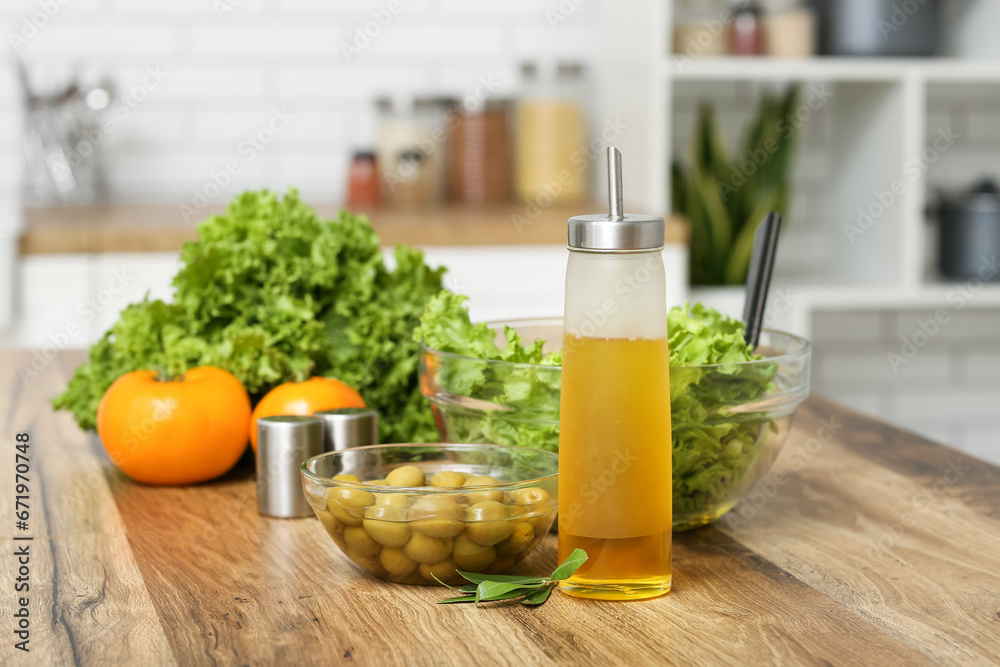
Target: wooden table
866 544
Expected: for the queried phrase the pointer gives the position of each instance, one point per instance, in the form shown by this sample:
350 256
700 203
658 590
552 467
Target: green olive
396 562
543 514
330 522
377 482
348 505
393 499
424 549
480 496
406 476
529 496
386 525
501 565
369 563
471 556
448 478
347 478
519 540
443 572
488 523
360 542
437 516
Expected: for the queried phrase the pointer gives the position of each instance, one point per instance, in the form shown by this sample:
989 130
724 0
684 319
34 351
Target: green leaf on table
464 598
537 596
491 590
570 565
478 578
534 590
509 595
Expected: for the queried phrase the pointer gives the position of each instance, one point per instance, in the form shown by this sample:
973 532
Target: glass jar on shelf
479 155
789 28
411 149
700 28
551 129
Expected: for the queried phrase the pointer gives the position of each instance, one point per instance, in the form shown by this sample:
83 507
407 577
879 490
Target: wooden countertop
162 228
870 546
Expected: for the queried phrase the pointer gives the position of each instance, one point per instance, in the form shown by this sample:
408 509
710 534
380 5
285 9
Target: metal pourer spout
616 204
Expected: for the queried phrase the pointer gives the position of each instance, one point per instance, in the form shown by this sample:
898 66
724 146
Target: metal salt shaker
283 443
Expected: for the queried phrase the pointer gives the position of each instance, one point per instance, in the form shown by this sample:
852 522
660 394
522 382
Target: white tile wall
229 69
948 391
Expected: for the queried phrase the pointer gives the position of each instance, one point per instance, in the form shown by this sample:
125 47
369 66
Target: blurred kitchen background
474 128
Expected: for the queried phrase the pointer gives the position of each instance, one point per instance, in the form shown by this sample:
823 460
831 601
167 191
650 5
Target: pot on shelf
969 232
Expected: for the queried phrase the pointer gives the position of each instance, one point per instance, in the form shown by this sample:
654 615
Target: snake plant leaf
725 196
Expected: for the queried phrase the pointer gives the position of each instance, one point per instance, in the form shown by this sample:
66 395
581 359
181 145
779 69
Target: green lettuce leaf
272 292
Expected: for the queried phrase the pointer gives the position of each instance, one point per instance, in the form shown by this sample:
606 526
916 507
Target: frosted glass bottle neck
616 295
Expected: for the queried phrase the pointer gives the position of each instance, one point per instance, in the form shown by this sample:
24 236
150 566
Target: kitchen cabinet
864 545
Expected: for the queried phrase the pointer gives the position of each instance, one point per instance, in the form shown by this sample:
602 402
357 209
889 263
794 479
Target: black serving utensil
765 247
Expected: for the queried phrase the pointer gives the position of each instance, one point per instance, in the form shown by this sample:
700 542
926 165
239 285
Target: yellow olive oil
615 483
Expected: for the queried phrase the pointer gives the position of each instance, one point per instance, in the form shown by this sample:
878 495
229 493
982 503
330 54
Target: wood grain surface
864 545
162 228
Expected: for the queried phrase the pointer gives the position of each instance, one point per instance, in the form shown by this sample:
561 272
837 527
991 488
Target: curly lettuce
713 447
272 292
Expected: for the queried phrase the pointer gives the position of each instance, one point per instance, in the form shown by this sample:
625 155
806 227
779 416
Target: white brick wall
948 391
227 72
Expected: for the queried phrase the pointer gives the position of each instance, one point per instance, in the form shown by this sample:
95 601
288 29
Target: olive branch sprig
533 591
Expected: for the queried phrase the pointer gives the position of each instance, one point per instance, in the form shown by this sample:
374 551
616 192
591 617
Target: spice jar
479 156
699 29
411 149
789 29
746 37
363 189
551 129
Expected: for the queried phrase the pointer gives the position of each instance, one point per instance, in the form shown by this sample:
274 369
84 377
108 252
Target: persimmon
175 431
304 398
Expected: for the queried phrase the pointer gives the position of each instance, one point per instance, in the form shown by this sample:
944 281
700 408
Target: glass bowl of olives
415 514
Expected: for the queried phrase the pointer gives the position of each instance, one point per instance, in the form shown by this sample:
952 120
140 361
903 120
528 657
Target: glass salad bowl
414 514
729 421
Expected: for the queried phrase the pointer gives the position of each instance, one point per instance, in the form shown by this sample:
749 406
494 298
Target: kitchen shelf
161 228
820 68
875 121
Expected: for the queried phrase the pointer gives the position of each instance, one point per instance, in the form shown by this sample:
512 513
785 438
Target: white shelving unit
877 122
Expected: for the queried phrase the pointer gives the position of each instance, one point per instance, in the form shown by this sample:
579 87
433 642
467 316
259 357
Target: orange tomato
181 431
304 398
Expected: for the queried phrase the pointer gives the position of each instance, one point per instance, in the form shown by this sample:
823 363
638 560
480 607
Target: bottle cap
348 427
283 443
617 231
